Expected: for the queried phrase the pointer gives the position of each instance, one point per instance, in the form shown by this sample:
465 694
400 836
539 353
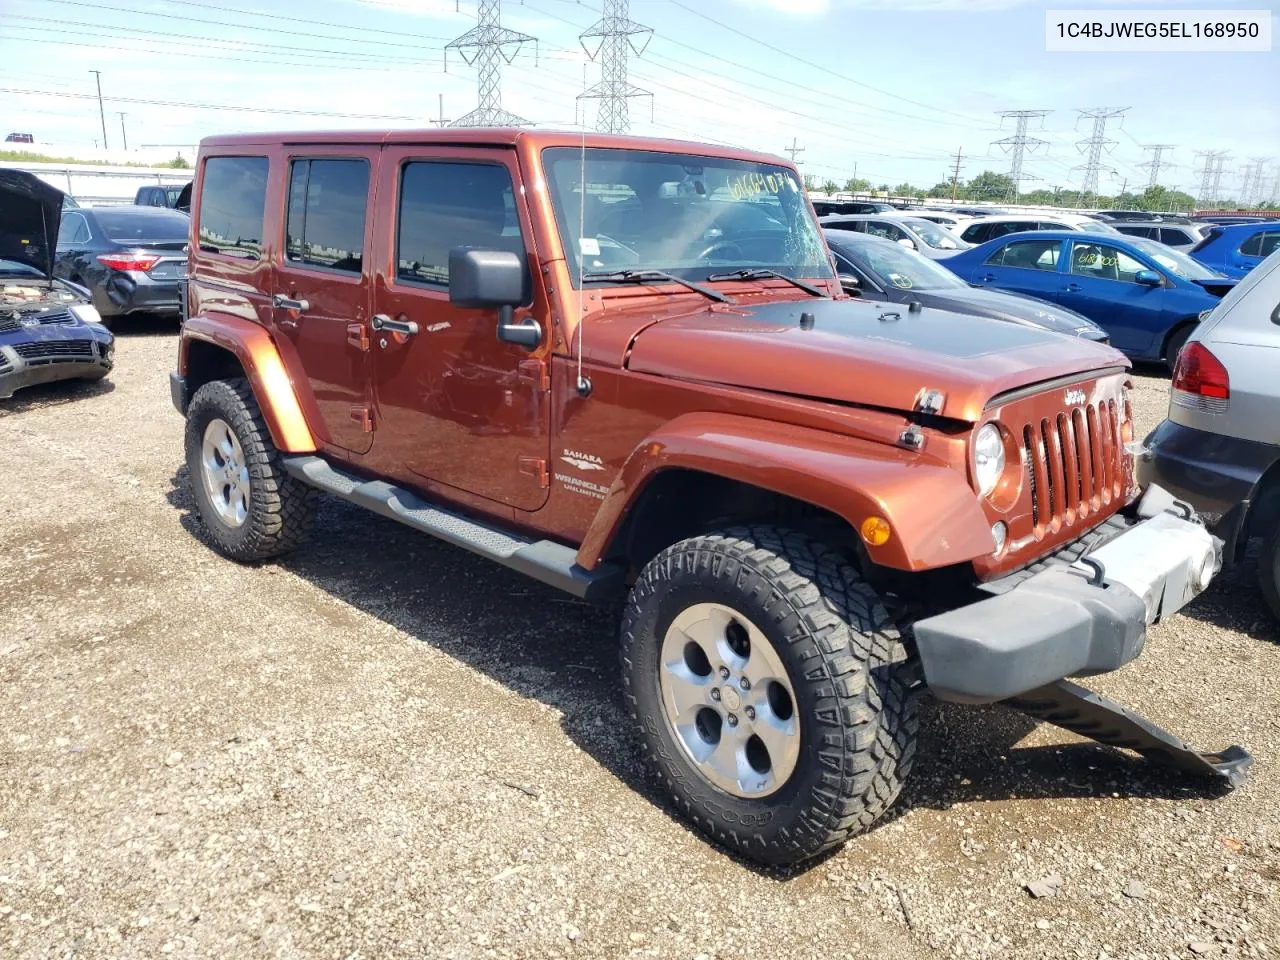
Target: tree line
993 187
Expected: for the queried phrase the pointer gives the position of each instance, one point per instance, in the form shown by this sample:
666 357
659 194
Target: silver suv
1219 448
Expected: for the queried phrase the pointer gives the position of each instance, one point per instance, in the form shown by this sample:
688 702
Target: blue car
1235 250
1148 297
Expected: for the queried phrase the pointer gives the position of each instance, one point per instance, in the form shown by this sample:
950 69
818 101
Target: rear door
323 287
1027 266
1100 283
1254 250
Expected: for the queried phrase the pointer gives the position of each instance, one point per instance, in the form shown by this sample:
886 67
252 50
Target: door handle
1072 288
280 300
987 279
381 321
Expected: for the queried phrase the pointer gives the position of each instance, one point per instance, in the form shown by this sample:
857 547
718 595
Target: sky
889 89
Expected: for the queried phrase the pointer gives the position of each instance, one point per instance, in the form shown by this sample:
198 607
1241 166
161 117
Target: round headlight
988 458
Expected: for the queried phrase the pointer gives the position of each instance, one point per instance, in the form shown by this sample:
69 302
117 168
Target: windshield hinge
364 417
358 336
535 467
536 372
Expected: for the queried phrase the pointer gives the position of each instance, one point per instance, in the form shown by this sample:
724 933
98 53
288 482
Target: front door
455 406
1101 283
323 291
1027 266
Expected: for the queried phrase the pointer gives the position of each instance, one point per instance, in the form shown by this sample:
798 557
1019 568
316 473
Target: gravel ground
384 746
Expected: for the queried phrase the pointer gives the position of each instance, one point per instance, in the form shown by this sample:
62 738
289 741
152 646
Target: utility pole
484 45
1020 144
616 33
102 114
441 120
955 172
1094 145
123 135
793 150
1156 163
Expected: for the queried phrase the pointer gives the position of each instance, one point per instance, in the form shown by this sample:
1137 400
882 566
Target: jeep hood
30 211
874 355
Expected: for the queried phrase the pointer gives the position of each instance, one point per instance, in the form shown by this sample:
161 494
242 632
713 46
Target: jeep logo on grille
1075 398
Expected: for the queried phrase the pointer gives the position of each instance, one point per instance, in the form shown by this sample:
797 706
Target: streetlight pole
102 115
123 135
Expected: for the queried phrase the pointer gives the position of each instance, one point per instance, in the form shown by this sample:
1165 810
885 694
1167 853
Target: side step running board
552 563
1072 707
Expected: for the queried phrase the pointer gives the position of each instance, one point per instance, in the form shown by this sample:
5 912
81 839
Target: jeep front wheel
251 509
770 690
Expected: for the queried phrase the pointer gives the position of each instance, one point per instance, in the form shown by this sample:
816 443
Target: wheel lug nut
744 683
751 713
715 693
724 673
733 720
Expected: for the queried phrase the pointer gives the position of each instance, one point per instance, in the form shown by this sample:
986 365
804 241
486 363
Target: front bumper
18 372
1072 619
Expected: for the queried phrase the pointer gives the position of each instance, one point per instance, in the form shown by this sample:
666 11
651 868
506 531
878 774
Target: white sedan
923 236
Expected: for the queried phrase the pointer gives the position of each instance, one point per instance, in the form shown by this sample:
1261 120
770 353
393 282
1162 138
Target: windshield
895 266
934 235
14 268
147 225
1173 261
688 216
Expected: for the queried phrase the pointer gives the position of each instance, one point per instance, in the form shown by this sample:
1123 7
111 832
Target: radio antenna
584 384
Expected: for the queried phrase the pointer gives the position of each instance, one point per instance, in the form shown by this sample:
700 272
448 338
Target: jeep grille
1074 463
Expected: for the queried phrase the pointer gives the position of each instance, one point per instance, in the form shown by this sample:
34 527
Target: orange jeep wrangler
626 368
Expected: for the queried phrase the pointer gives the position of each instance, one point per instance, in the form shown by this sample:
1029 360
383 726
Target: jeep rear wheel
770 691
251 509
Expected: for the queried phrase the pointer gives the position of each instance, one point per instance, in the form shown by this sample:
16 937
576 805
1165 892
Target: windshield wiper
644 276
764 274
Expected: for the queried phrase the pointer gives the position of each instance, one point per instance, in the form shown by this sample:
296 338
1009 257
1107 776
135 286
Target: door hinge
358 336
364 417
536 467
536 371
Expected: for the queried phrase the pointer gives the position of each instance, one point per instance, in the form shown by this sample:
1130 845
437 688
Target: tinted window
1270 243
1051 225
232 206
1260 244
1028 254
1175 238
73 229
1133 231
1103 262
327 200
446 205
977 233
882 228
858 226
126 225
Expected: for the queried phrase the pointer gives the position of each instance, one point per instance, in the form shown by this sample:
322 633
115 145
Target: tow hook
1072 707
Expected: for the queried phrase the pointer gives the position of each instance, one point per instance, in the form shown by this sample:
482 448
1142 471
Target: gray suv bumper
1072 619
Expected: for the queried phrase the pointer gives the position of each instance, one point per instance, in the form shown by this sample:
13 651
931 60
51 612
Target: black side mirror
493 278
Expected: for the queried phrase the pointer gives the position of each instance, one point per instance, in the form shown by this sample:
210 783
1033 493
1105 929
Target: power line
205 106
483 45
1094 145
617 34
1020 144
1155 164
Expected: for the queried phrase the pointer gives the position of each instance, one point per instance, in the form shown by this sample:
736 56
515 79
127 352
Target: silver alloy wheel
728 700
226 475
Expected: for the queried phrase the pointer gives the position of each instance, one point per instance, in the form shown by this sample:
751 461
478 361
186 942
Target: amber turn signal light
875 530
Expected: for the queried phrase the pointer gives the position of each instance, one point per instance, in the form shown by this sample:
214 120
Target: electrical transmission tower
1094 146
1156 163
483 45
794 150
1252 187
616 33
1210 175
1019 145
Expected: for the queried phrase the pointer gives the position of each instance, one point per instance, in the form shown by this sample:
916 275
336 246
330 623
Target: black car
131 258
160 195
48 328
876 269
825 208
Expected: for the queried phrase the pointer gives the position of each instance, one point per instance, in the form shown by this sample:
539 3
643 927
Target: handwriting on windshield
755 184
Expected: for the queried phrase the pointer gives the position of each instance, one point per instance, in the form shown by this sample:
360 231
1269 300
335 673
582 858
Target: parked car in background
955 222
1148 297
1181 235
48 328
159 195
988 228
979 211
825 208
130 258
1126 215
873 268
1236 249
1219 449
930 239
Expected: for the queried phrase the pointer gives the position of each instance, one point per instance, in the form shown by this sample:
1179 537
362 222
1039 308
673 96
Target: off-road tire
854 686
282 509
